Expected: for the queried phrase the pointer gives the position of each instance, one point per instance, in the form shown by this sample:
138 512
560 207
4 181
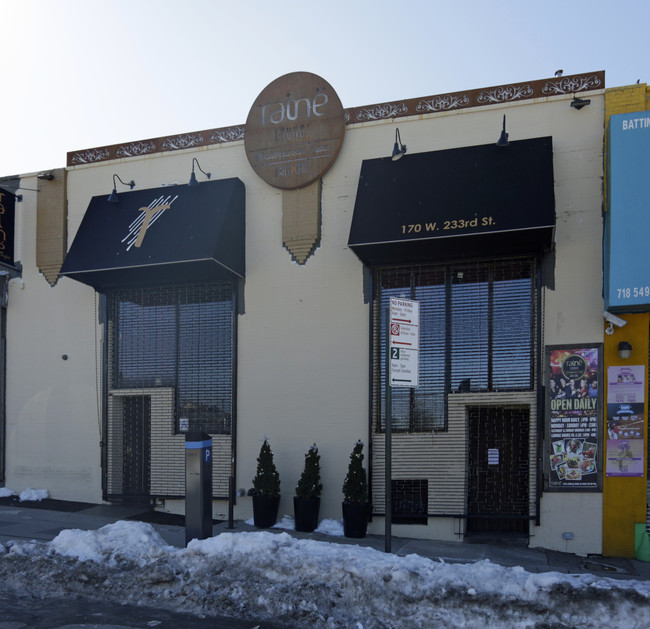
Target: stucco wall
573 304
53 426
303 341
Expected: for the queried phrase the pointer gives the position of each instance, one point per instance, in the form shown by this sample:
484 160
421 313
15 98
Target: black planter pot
355 519
305 511
265 511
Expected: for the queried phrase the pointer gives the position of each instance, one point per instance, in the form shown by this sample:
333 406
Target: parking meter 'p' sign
198 486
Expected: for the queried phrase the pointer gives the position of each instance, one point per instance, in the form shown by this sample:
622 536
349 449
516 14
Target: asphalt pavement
26 612
44 520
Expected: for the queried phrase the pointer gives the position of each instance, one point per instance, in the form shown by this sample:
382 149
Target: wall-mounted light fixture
13 188
193 181
579 103
624 350
46 176
399 149
113 198
503 138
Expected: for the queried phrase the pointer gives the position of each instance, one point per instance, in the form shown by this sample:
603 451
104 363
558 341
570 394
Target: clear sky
79 74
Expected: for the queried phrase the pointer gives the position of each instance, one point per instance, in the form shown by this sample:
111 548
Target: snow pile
305 583
328 527
112 544
334 528
33 494
28 494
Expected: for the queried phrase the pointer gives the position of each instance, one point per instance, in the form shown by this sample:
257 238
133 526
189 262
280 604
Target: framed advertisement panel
573 449
625 452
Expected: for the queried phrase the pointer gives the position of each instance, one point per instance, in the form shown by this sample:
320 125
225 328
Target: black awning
479 200
161 236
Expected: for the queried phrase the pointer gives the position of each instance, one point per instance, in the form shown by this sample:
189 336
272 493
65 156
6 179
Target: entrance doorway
3 381
498 471
136 468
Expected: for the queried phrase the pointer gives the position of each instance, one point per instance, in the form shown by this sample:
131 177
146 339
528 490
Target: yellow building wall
626 99
625 498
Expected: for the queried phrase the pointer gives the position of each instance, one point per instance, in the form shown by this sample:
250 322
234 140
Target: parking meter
198 486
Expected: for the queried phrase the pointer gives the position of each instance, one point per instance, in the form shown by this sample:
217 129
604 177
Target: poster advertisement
574 404
625 420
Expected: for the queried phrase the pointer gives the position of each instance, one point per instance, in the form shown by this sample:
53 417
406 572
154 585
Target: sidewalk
44 520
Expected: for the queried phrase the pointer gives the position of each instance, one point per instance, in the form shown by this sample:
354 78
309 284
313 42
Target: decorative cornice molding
88 156
504 94
442 103
381 112
229 134
184 141
576 83
135 149
355 115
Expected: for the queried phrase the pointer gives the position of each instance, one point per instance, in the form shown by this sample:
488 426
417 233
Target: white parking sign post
404 342
402 370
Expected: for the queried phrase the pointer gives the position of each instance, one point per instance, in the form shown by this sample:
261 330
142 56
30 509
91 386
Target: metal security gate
136 448
498 470
479 339
170 369
3 381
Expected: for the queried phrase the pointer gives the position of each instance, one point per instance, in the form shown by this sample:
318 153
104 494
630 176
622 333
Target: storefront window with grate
178 337
476 335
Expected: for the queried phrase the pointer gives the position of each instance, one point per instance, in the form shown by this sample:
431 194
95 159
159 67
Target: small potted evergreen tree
355 496
306 502
266 489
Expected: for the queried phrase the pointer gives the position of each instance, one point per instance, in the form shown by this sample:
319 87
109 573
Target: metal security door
498 475
3 388
137 448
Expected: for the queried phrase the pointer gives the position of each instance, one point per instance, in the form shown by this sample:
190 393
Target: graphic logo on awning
147 217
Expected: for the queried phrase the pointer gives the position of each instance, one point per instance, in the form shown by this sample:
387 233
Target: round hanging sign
294 130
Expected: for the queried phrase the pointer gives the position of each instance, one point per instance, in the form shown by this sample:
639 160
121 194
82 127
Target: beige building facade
299 327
